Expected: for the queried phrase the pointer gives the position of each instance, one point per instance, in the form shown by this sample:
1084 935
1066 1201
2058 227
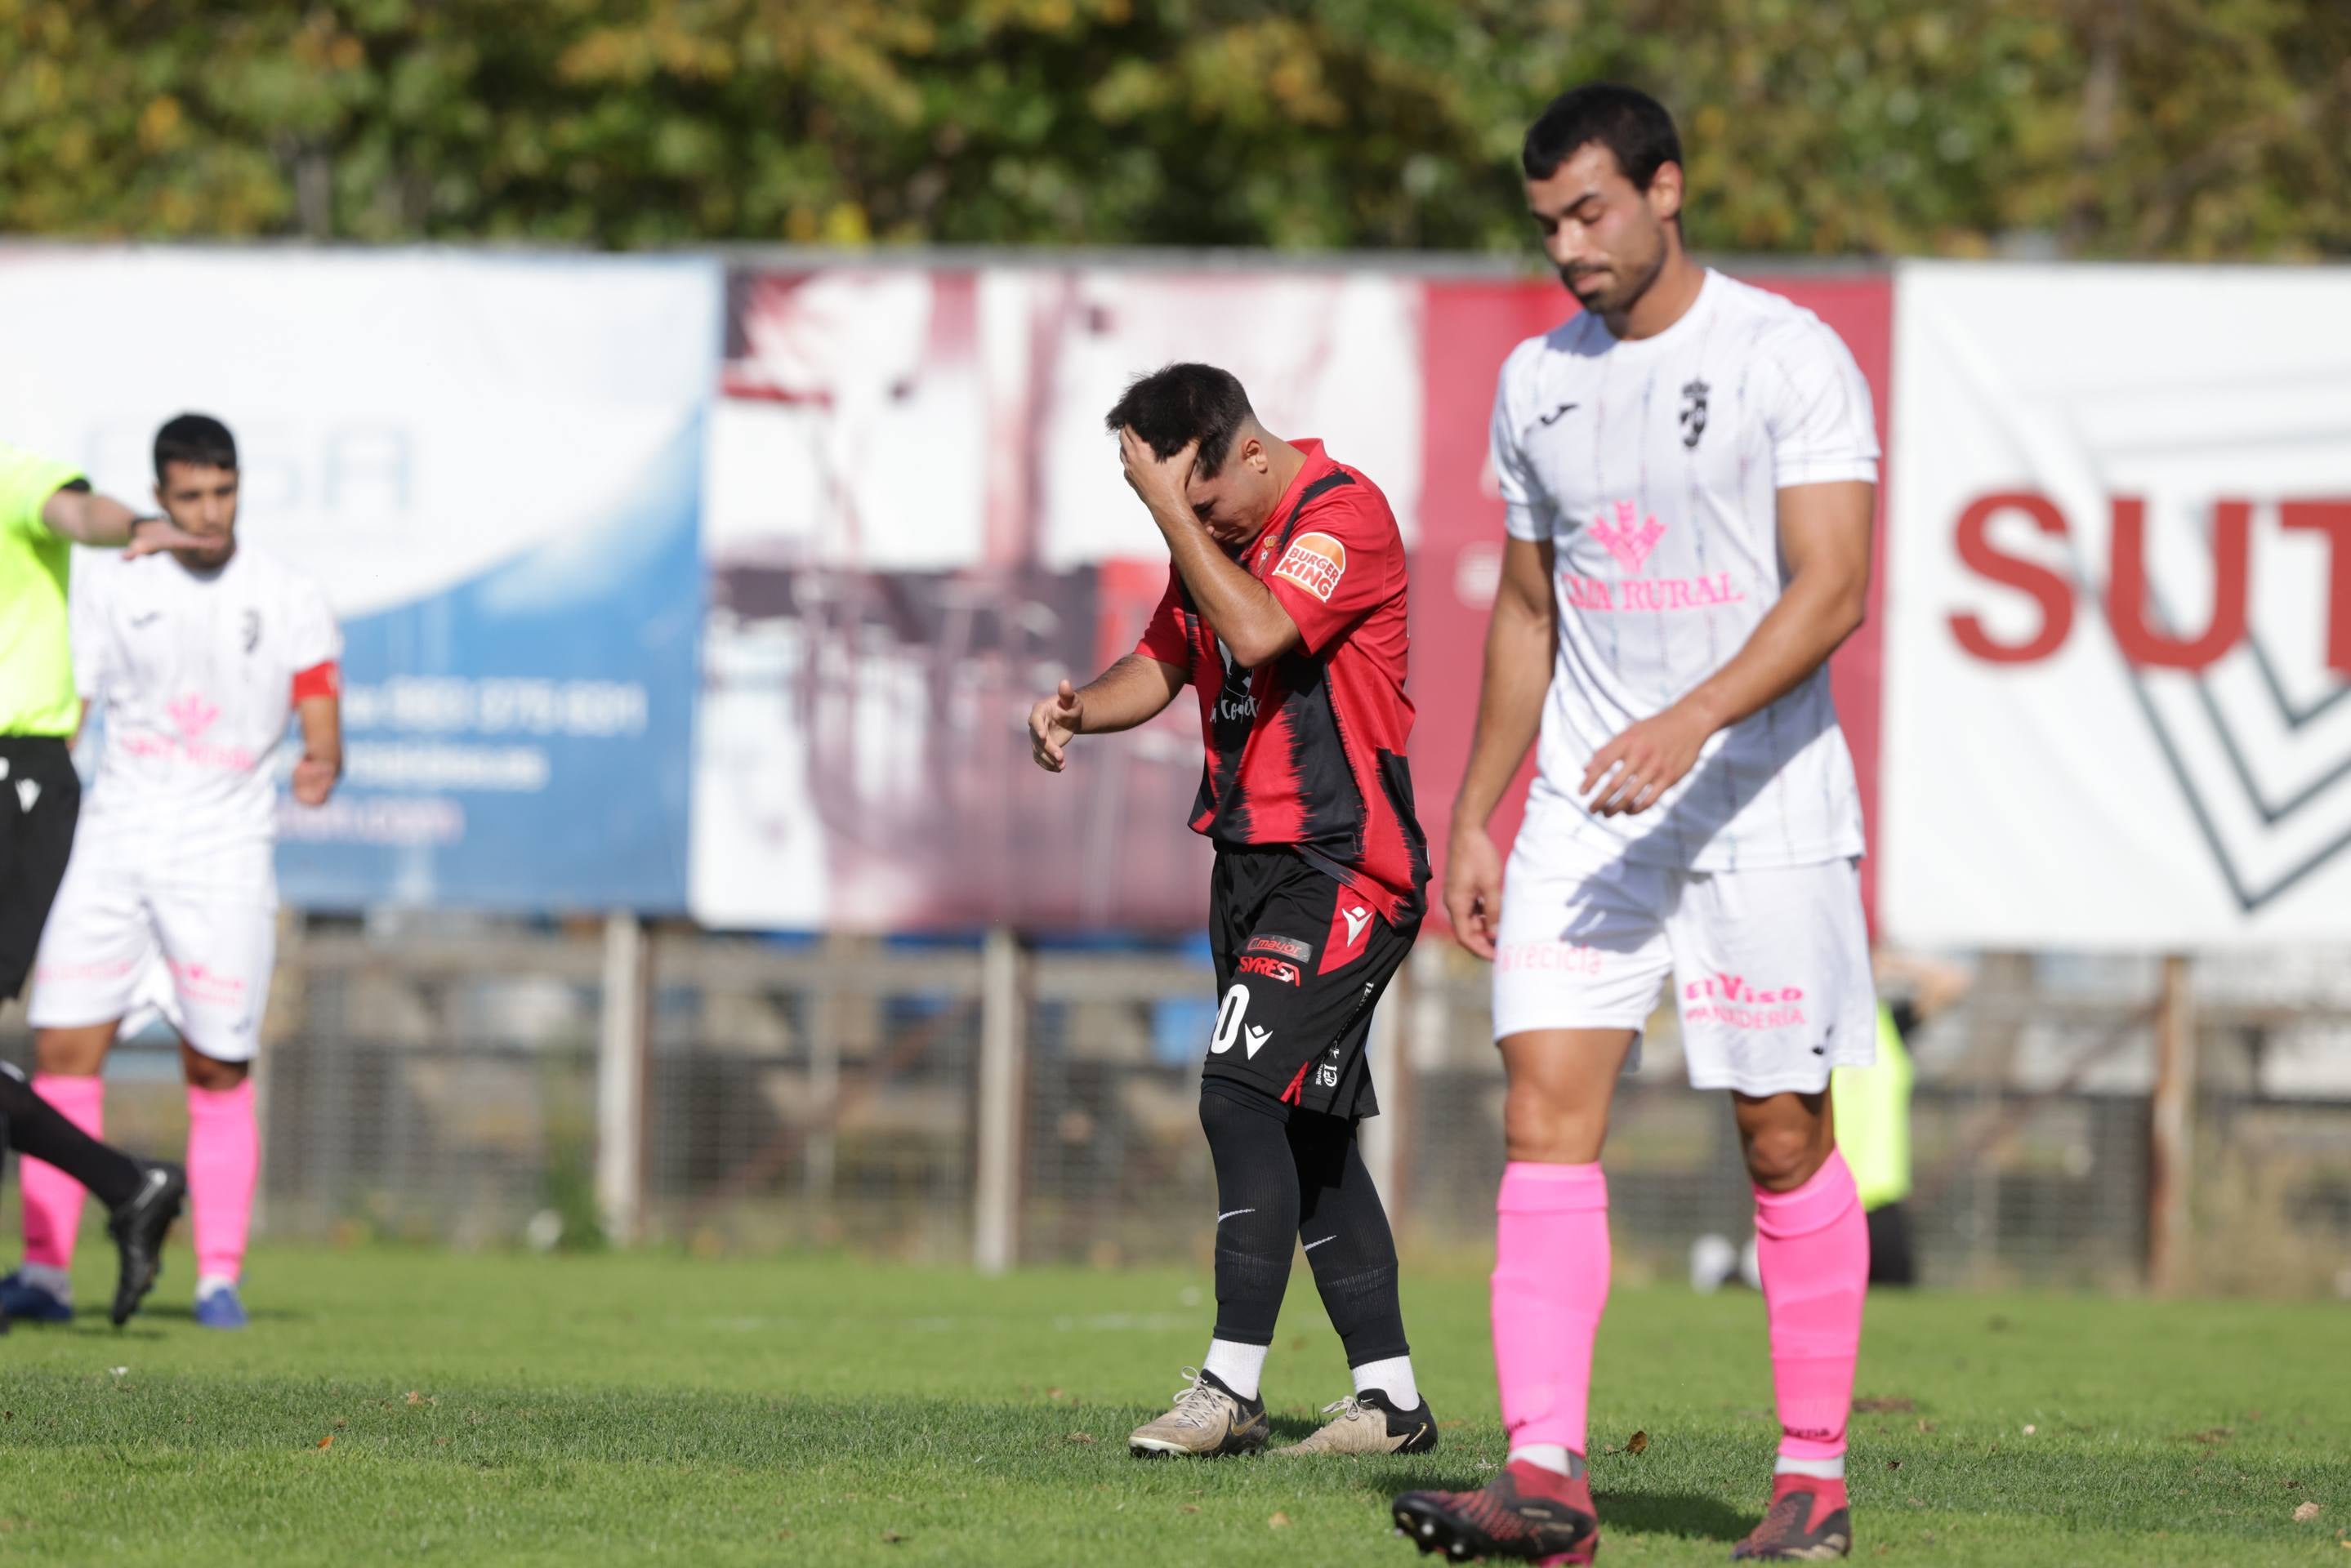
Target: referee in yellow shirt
46 508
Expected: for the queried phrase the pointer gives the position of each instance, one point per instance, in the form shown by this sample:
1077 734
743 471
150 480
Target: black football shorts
1301 961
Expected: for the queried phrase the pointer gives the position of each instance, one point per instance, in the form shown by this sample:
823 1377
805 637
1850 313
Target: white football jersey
1653 466
195 673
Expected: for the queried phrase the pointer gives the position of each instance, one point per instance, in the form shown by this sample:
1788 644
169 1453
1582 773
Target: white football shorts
117 948
1769 966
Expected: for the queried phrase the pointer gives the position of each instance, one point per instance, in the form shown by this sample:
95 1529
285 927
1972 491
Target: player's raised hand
1633 772
314 781
1473 889
1164 482
1051 724
153 536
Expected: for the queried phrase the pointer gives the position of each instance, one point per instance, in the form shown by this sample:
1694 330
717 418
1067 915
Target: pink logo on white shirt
1632 538
192 714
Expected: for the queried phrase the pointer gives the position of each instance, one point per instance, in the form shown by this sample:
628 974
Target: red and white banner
2119 608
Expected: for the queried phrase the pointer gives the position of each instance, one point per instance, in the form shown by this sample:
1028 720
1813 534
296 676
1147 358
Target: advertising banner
2120 606
493 464
918 526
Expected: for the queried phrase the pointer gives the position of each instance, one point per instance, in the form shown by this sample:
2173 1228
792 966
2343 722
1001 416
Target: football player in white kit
197 657
1689 468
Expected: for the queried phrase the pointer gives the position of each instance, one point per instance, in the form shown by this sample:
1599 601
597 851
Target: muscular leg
1257 1225
69 1062
224 1163
1550 1240
1812 1244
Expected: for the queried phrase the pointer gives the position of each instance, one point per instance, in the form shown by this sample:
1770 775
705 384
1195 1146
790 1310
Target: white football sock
1556 1457
1820 1470
208 1283
54 1280
1392 1377
1237 1367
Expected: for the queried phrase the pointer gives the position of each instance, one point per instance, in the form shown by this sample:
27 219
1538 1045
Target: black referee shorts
1301 961
40 801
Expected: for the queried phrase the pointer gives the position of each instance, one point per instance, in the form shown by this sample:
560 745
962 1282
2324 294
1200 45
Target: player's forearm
1239 610
1131 691
87 517
322 731
1819 609
1518 653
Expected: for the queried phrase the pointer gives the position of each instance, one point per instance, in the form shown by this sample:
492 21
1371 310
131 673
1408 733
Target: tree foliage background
2108 128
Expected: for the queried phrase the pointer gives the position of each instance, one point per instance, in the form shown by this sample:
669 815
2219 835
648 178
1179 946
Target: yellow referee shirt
37 683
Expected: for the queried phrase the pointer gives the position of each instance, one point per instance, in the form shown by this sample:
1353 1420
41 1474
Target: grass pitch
401 1408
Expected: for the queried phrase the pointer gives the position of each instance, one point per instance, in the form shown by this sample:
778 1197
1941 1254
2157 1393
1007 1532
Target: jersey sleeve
1163 636
313 637
1527 511
1818 412
28 480
1342 559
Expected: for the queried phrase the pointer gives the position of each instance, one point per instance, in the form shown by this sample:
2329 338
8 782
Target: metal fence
459 1087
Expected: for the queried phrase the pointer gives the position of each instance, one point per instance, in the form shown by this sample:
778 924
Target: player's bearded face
202 500
1603 233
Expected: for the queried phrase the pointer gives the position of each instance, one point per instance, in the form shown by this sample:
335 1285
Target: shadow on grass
1686 1513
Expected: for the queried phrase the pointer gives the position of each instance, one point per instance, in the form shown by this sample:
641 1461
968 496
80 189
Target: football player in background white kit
1689 469
198 657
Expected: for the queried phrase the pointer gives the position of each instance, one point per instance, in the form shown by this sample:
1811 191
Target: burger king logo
1315 562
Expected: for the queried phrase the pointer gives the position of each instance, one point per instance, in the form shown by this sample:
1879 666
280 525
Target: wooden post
623 1029
1003 1059
2171 1134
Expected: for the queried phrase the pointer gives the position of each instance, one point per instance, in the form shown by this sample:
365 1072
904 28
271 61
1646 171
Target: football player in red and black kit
1285 610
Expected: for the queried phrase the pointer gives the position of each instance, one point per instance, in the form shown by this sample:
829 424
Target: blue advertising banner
492 466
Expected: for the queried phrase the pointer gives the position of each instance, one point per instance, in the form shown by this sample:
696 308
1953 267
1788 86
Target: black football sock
1256 1207
37 1129
1345 1232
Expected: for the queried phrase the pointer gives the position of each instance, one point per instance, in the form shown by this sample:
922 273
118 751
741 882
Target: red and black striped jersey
1310 750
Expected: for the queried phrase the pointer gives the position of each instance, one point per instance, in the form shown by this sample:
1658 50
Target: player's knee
1781 1158
203 1072
1549 1127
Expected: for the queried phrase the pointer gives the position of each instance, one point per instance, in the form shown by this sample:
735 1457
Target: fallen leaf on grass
1925 1426
1894 1464
1052 1392
1893 1405
416 1398
2030 1429
2305 1514
327 1442
1638 1443
1190 1508
2212 1435
890 1537
1080 1438
1279 1522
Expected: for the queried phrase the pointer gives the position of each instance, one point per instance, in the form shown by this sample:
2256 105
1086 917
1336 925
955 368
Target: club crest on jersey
1315 562
1694 411
251 629
192 713
1629 538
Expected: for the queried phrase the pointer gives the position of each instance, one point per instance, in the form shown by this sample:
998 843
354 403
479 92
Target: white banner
2119 608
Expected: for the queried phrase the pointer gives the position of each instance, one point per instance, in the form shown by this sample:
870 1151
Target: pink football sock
53 1198
1551 1285
1813 1248
223 1163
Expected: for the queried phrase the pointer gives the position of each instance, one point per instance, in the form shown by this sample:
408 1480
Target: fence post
2171 1132
1003 1051
623 1027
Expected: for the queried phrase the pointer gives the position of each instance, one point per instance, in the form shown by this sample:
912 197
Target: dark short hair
1626 120
1177 404
197 439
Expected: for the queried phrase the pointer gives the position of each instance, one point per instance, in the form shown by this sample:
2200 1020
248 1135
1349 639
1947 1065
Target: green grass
599 1409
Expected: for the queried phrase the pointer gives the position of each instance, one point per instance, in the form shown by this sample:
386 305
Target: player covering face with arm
1285 611
1688 472
198 658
